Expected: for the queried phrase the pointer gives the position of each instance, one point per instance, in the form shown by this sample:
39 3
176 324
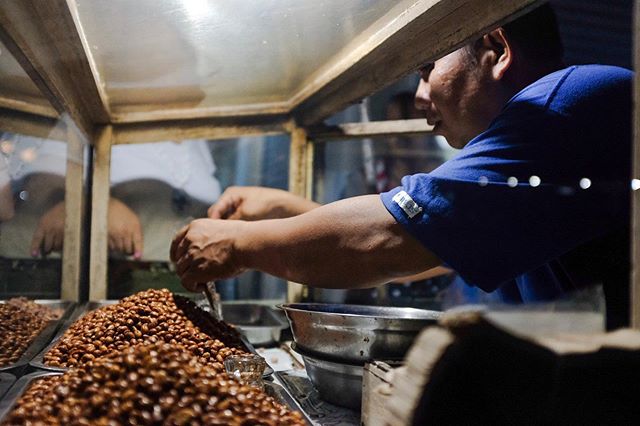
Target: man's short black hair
536 33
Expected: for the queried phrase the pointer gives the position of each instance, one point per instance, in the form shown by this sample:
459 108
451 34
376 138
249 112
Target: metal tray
14 393
38 360
44 337
280 394
259 323
355 334
6 381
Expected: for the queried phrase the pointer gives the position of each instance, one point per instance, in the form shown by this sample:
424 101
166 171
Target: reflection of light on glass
6 147
534 181
24 195
635 184
197 10
585 183
28 155
483 181
512 182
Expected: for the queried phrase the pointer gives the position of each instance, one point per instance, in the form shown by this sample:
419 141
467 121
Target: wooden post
299 175
99 214
635 196
73 205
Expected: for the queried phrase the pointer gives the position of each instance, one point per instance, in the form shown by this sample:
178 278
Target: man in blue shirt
536 203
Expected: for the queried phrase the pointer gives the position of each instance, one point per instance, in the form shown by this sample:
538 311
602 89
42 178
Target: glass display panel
157 188
32 215
154 54
340 171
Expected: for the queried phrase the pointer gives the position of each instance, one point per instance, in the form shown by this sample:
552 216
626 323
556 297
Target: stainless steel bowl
354 333
259 323
337 383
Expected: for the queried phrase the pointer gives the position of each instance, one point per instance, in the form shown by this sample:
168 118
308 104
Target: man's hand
125 231
204 251
49 233
257 203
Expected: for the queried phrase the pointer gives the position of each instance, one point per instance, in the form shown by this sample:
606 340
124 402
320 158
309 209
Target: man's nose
422 98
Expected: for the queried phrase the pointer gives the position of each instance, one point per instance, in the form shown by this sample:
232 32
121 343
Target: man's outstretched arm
352 243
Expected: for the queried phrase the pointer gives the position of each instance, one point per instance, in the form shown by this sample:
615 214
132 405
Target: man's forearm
346 244
293 205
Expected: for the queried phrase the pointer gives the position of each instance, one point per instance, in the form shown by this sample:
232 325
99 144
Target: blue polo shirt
549 176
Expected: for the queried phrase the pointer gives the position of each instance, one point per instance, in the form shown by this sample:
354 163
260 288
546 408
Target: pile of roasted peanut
148 384
152 359
147 317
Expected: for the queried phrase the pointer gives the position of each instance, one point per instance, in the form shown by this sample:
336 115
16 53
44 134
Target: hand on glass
125 231
49 233
205 251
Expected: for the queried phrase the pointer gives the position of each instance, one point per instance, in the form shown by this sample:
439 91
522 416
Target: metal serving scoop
213 297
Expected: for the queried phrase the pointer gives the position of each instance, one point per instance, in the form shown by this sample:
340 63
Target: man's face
451 95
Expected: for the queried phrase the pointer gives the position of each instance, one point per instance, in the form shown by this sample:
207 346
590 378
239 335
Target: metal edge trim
436 314
282 395
21 385
6 381
18 389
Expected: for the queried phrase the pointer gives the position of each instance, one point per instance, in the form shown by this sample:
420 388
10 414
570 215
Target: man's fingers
183 247
177 239
48 243
58 240
138 244
127 242
214 212
191 282
36 241
182 265
222 208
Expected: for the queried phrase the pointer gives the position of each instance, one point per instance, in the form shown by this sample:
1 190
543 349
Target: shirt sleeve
514 199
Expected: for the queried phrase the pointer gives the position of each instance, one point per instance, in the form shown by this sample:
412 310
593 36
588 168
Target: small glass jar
248 369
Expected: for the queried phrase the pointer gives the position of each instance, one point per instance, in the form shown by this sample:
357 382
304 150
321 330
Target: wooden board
370 129
197 129
99 215
74 208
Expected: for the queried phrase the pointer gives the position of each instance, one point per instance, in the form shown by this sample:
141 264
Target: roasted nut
146 317
114 390
22 320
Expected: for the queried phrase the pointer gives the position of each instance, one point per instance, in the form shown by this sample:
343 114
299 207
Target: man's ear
500 52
